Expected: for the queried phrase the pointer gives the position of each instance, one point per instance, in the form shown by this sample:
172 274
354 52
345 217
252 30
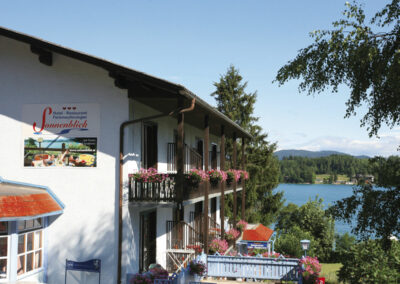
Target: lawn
329 272
341 178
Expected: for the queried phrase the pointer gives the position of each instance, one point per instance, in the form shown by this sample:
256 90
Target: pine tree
262 204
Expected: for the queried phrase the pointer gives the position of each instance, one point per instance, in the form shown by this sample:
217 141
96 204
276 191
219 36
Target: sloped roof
19 201
129 78
260 234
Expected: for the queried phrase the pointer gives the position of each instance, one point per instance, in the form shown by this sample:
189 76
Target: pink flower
311 267
242 225
232 234
220 246
148 175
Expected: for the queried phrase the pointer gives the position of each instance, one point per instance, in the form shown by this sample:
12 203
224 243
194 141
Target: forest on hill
305 170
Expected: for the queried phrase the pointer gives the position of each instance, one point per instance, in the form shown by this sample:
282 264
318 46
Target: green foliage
312 219
30 143
368 262
233 100
295 169
262 204
287 218
377 210
343 243
288 243
362 54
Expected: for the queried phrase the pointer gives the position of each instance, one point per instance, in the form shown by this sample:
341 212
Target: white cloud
385 146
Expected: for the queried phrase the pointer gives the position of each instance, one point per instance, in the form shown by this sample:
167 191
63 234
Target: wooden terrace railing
214 229
254 267
152 191
182 236
165 191
193 160
183 243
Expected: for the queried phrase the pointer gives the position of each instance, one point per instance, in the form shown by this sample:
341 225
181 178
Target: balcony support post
235 184
222 167
207 184
180 160
243 181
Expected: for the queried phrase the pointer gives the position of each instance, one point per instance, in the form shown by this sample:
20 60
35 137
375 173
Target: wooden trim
243 181
222 166
45 56
207 184
235 186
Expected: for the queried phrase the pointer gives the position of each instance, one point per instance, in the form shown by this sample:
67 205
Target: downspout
121 162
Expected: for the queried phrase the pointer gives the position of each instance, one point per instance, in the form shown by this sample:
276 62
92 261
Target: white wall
166 127
186 212
131 245
88 227
163 215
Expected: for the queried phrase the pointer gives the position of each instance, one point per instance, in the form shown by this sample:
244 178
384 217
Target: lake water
301 193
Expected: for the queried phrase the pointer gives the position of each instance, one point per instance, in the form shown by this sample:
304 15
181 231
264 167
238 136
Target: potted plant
241 225
197 269
216 176
231 235
218 245
195 176
232 175
244 175
310 269
141 278
148 175
157 272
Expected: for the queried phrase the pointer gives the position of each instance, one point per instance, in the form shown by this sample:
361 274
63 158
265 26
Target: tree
309 218
343 244
367 262
262 204
233 100
364 55
376 208
288 243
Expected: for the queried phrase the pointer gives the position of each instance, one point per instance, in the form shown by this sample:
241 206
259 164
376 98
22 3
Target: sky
192 43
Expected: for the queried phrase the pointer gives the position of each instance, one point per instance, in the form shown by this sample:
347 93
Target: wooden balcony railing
165 191
193 160
182 236
152 191
214 229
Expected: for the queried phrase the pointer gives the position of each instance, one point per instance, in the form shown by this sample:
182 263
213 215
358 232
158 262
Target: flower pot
214 182
196 277
193 183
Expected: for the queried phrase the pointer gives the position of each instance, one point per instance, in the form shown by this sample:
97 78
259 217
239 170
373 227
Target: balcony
193 159
165 191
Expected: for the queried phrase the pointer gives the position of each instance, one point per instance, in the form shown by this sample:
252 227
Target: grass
329 270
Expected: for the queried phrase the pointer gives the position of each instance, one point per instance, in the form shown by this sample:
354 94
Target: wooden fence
253 267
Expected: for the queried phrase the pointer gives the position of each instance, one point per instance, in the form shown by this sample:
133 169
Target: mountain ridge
312 154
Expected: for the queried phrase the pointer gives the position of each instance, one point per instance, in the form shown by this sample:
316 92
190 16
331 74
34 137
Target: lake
301 193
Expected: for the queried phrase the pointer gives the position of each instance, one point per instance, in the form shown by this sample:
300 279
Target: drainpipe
121 162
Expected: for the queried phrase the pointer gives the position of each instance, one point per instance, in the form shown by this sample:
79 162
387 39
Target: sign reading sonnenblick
60 135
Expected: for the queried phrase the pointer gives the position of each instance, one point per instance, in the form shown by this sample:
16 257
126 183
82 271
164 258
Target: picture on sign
60 135
60 152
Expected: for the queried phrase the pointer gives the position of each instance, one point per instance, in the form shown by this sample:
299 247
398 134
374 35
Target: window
21 249
29 224
30 246
3 249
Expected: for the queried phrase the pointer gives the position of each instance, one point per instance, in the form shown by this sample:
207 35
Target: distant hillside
311 154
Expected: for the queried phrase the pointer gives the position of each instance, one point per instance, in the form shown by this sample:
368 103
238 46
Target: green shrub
367 262
288 243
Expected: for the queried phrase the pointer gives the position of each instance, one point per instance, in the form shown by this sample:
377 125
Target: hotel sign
62 135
